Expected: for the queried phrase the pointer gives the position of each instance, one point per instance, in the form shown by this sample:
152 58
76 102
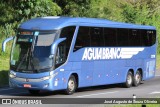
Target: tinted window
148 37
110 37
122 37
96 34
67 33
135 37
61 56
153 37
83 38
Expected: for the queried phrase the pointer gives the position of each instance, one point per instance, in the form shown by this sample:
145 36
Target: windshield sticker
25 33
36 33
110 53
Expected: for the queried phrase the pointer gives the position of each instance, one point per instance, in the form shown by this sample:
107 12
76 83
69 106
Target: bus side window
83 38
61 54
122 37
68 33
110 37
148 37
151 38
134 37
97 39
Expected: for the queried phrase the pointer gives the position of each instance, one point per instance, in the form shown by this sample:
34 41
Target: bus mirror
4 43
55 44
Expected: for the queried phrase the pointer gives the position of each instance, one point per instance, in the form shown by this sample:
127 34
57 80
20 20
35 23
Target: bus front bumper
40 81
34 84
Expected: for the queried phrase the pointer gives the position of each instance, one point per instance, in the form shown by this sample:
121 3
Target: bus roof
56 22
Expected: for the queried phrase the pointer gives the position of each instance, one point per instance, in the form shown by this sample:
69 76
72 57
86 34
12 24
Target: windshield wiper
32 65
20 63
23 59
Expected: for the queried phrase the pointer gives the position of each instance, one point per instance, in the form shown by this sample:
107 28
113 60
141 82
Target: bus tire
71 85
34 92
129 80
137 78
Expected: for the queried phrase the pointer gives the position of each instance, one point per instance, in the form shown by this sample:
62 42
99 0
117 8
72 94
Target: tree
19 11
146 12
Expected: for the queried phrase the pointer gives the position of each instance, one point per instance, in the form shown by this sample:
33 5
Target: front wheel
129 80
137 79
71 85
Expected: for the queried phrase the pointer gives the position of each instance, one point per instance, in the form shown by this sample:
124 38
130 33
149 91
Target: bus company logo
27 80
110 53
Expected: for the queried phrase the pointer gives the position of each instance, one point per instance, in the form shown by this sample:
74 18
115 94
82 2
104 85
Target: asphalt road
148 89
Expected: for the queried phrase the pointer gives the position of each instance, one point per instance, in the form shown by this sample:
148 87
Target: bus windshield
32 53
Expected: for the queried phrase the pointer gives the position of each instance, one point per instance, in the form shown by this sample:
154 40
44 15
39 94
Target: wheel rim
138 78
129 79
71 85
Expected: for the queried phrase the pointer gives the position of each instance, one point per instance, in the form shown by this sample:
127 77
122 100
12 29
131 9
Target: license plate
27 85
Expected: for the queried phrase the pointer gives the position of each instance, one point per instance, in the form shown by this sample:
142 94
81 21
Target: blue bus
66 53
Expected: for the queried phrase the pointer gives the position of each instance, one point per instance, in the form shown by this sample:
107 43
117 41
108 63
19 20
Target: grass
158 61
4 68
4 64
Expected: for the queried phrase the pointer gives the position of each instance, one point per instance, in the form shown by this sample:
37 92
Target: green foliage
91 8
36 8
7 13
15 12
74 7
158 61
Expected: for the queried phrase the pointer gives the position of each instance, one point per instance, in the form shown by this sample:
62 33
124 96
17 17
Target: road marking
5 89
155 92
97 94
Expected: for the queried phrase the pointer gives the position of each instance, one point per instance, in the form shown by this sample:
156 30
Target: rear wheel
129 80
34 92
137 79
71 85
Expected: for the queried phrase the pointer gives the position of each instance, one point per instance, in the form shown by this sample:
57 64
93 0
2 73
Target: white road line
4 89
155 92
97 94
157 75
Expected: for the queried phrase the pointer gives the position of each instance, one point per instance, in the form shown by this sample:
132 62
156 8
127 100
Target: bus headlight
46 78
49 77
12 74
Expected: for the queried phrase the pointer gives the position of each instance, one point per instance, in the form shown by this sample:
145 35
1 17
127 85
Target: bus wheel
137 79
71 85
129 80
34 92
